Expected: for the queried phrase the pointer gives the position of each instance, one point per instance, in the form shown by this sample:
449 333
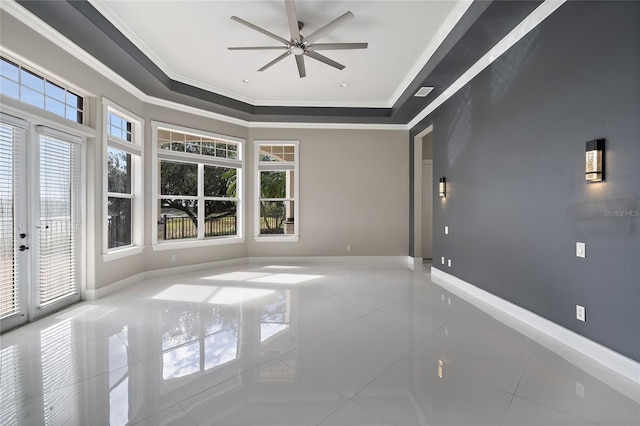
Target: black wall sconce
442 187
594 165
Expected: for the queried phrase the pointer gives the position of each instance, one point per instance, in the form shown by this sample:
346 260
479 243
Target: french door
39 220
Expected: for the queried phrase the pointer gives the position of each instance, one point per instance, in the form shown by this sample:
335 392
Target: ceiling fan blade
260 30
258 48
292 17
276 60
324 59
337 46
330 27
300 63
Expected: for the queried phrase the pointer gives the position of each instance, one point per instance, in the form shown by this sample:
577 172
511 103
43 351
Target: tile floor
304 344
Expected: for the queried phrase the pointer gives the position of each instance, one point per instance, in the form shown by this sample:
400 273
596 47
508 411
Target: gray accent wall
511 144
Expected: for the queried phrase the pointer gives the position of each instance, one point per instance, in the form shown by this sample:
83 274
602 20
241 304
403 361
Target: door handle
23 235
23 247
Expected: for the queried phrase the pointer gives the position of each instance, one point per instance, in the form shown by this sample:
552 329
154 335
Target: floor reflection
198 335
260 346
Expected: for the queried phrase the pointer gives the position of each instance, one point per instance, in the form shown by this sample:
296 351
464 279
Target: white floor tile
412 392
350 357
271 394
475 345
351 414
431 306
121 396
553 382
288 344
523 412
195 367
174 416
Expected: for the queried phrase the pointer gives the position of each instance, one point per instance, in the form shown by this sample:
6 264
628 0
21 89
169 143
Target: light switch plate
581 313
446 230
581 250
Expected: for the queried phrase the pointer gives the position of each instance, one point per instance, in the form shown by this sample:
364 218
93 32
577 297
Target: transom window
199 185
32 88
119 127
276 190
194 144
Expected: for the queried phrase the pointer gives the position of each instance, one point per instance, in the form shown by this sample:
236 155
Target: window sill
283 239
121 253
175 245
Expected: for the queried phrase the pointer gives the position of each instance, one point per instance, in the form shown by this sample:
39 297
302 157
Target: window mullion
120 195
128 147
201 209
178 197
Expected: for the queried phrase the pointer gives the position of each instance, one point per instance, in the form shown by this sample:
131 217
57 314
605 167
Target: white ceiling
188 40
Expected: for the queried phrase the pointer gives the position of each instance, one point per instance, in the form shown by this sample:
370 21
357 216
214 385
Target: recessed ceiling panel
188 40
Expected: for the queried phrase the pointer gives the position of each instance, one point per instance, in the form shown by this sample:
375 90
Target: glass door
55 236
14 267
39 221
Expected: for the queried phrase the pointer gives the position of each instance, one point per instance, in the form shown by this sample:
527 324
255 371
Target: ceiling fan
301 46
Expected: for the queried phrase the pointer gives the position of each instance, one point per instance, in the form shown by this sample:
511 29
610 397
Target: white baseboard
194 268
375 260
487 302
113 287
127 282
415 263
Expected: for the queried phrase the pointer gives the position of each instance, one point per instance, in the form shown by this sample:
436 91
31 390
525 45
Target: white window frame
28 66
201 161
136 149
277 166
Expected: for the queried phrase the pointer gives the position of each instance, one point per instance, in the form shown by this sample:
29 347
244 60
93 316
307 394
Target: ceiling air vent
424 91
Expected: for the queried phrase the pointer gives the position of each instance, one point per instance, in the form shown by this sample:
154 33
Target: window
31 88
199 185
276 191
124 201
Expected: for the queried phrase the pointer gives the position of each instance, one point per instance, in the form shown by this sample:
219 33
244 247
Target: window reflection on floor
196 341
10 383
118 381
59 369
219 349
275 316
199 331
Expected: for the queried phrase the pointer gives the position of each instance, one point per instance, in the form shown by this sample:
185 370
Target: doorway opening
423 197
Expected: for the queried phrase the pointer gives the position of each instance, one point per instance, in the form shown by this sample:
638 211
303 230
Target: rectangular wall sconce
594 166
442 187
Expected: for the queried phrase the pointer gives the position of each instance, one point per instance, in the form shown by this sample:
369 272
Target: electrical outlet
443 260
173 257
580 390
581 313
581 250
446 230
449 263
348 247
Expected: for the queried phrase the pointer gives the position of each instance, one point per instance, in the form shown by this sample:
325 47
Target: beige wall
353 190
427 146
353 183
